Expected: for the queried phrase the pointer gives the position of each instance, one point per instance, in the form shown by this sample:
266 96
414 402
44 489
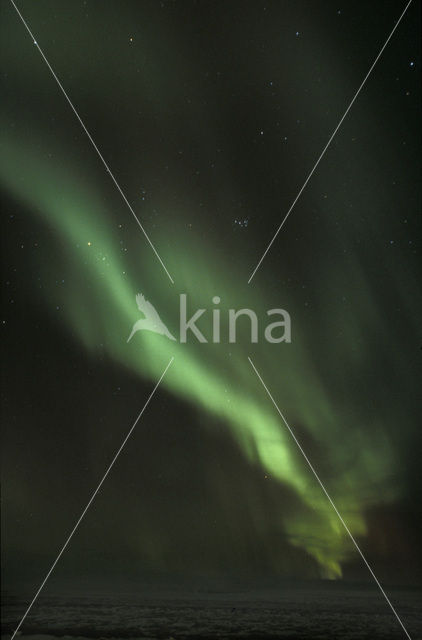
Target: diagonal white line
329 499
92 140
91 500
329 141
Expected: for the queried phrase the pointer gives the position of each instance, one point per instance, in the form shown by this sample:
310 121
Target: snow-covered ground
317 613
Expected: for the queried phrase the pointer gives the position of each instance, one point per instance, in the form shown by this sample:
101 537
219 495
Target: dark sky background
210 115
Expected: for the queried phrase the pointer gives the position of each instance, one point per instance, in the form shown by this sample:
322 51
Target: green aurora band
99 308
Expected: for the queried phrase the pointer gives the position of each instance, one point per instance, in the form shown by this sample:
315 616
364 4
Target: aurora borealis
210 127
108 298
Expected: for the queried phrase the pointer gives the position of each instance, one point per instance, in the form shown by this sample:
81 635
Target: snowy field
318 613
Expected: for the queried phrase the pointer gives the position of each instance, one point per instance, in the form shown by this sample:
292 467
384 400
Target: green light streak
99 307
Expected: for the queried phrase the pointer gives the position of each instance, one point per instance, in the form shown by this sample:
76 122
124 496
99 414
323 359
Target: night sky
210 116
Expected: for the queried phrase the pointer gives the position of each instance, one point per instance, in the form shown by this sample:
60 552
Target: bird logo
151 322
